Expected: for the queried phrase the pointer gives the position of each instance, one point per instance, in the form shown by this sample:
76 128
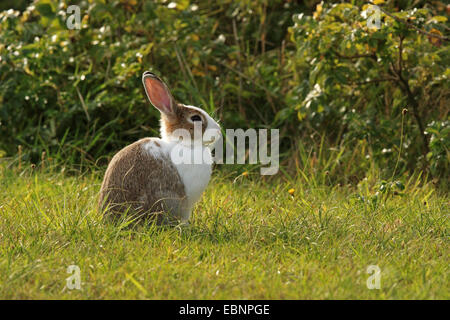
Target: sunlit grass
250 238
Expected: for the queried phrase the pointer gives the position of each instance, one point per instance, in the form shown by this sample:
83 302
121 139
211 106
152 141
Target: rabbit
144 177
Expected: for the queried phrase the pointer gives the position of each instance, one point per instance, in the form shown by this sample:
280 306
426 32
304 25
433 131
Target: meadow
249 238
359 93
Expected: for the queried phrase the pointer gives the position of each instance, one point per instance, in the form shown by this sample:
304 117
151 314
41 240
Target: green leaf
45 10
437 19
399 185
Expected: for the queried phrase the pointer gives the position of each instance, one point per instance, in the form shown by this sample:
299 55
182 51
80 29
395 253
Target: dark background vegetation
335 88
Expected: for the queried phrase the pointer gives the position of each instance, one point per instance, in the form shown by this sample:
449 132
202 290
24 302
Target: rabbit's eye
196 118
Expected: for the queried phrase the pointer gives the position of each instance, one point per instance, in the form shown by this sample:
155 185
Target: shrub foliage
316 71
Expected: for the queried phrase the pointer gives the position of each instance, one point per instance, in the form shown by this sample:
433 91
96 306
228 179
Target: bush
354 82
322 73
78 93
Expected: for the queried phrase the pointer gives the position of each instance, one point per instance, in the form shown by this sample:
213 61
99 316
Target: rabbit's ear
158 93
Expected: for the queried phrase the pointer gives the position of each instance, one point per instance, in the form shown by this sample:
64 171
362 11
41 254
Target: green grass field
249 238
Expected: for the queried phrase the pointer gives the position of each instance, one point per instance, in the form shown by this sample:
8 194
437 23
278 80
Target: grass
249 239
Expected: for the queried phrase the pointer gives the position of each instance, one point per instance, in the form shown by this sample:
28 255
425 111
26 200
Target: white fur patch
195 177
152 148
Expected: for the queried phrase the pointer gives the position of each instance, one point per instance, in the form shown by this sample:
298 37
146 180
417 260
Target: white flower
364 14
315 92
220 39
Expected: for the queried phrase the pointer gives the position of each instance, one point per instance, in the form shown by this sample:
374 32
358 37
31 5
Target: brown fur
180 120
135 181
